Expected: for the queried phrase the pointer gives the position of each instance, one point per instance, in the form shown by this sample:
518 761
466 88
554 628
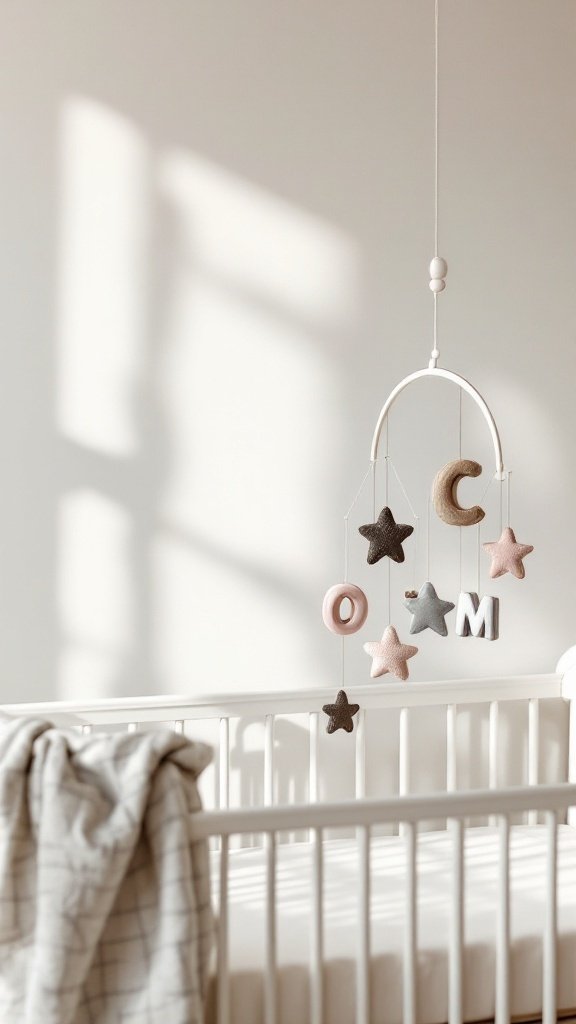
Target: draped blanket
104 902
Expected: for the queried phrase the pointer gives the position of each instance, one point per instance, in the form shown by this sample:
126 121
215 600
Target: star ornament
341 713
507 555
389 655
386 537
428 611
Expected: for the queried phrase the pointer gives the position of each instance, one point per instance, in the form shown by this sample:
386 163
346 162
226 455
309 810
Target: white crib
280 881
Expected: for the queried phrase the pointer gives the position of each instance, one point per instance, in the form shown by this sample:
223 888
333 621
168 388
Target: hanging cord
347 516
416 518
370 470
436 121
387 493
460 456
428 539
438 266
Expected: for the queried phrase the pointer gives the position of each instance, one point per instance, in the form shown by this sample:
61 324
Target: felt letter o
333 602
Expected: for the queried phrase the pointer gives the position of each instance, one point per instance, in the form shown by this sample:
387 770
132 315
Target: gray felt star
428 611
386 536
340 713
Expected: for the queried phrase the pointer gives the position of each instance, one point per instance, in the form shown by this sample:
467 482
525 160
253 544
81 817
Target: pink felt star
389 655
507 555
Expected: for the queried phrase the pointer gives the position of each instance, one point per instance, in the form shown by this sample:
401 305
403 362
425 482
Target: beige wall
215 226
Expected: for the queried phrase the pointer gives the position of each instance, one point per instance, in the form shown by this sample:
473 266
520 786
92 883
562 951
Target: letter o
333 602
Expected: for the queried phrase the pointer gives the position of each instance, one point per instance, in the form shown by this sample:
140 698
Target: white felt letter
477 618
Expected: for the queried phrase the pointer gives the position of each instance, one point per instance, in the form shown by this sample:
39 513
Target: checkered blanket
104 902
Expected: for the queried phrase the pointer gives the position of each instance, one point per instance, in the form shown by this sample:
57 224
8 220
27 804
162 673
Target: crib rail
288 702
409 812
396 810
134 713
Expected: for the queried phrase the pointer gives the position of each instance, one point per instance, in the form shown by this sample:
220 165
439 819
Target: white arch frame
462 383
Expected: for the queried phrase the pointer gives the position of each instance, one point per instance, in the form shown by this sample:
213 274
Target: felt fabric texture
333 599
428 611
386 537
507 555
390 655
445 493
341 713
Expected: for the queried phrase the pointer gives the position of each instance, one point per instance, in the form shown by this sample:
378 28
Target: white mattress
247 931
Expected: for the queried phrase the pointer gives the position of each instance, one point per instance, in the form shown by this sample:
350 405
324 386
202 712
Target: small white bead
438 268
436 285
435 354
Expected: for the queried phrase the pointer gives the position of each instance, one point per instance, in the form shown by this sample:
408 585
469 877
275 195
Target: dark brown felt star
340 713
386 536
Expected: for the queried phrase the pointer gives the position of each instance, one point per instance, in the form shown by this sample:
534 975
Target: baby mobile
475 616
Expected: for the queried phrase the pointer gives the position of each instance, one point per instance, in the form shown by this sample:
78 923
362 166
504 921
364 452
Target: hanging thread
438 266
459 456
347 516
428 538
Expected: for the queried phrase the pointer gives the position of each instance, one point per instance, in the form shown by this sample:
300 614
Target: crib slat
313 730
223 989
363 962
361 754
451 748
533 749
456 827
270 979
549 967
313 725
503 924
410 928
404 758
224 763
404 755
493 729
269 760
317 978
493 745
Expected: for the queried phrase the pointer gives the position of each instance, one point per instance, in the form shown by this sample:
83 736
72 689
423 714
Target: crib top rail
404 809
386 695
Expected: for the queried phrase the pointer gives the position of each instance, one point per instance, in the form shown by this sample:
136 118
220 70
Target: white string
345 549
428 539
402 488
460 456
415 516
435 351
436 20
360 489
346 559
347 516
478 563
